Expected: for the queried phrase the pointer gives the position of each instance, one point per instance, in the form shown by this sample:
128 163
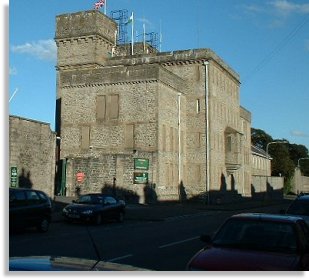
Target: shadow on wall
24 180
121 193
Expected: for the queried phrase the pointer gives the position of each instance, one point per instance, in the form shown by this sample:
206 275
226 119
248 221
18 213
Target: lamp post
298 165
267 146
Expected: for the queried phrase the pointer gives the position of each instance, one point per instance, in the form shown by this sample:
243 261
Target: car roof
266 217
302 197
97 194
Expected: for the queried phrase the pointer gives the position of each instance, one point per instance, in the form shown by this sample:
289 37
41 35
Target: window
114 107
85 141
110 200
17 198
129 136
107 107
33 197
101 107
198 106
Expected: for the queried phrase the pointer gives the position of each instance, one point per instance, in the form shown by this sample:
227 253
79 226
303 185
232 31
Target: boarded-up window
101 107
85 141
171 139
164 138
114 107
129 136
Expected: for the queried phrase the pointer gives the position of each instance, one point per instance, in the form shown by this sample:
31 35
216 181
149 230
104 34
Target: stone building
32 154
156 125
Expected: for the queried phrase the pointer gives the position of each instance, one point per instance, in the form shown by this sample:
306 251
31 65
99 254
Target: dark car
46 263
29 208
254 242
299 207
95 208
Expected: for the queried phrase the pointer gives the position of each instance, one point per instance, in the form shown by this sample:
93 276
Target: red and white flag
99 4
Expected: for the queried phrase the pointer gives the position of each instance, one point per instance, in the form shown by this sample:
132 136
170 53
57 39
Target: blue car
95 208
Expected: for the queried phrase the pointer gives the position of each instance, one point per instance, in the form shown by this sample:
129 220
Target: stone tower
84 39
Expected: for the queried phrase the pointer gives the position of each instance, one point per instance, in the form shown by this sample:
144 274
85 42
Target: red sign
80 176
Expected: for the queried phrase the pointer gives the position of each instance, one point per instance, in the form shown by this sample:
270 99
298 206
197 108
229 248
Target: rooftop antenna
160 39
15 91
121 17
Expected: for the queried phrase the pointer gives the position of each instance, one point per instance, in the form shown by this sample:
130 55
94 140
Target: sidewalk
165 210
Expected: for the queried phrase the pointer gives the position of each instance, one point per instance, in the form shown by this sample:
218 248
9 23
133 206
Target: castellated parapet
88 45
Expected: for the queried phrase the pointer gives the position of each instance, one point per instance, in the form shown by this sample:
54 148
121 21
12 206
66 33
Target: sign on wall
14 176
141 163
140 178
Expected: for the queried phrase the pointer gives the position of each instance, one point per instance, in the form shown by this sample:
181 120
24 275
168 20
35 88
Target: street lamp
270 143
300 160
275 142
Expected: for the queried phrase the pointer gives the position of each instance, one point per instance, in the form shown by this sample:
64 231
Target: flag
99 4
130 19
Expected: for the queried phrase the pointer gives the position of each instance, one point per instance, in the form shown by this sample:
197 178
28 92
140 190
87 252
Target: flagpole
132 34
105 4
144 30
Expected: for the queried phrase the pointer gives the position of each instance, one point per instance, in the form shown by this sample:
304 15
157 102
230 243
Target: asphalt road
163 245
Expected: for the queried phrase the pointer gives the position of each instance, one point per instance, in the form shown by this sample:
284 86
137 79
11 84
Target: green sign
140 178
14 175
141 163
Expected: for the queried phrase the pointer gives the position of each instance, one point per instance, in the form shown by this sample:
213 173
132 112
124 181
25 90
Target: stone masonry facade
114 108
32 147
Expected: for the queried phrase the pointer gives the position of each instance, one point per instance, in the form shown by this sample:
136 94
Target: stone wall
32 150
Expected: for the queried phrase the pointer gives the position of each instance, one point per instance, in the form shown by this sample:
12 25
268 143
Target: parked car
29 208
299 207
253 242
47 263
95 208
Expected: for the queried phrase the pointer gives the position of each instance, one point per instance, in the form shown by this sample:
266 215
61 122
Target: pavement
165 210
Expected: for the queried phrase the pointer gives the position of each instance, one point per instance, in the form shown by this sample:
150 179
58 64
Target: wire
276 50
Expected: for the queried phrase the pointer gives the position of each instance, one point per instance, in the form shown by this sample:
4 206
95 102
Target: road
158 245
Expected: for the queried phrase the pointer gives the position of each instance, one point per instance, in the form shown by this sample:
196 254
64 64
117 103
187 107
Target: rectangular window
164 138
198 106
85 141
101 107
114 107
129 136
229 143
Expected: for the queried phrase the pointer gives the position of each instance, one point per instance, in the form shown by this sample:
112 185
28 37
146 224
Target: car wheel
98 219
120 217
44 225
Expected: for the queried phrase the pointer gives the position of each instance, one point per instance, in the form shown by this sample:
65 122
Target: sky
265 41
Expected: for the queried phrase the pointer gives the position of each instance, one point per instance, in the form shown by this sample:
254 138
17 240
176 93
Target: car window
110 200
42 196
33 197
258 235
84 199
17 198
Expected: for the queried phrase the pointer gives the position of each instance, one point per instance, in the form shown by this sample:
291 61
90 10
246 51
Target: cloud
299 133
286 7
43 49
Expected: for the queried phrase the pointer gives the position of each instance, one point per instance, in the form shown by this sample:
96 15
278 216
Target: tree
298 152
260 138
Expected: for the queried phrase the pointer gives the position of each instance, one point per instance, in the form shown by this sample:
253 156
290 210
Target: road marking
178 242
120 258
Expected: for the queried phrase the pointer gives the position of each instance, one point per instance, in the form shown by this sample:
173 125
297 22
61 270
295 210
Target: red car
254 242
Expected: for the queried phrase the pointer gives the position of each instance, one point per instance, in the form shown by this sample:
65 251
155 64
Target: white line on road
178 242
120 258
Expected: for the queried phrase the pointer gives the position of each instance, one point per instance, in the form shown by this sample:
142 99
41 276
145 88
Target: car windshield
257 235
299 207
90 199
